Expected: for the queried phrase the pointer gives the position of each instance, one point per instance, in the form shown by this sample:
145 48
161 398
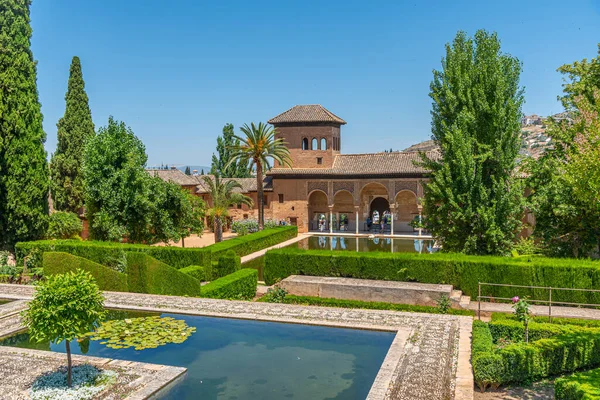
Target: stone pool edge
382 320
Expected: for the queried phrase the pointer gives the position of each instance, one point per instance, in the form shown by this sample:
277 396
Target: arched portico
318 211
406 208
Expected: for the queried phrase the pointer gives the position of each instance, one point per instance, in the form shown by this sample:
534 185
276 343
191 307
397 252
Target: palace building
326 190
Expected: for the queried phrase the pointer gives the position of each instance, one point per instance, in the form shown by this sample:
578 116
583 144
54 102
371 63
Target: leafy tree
256 149
64 307
221 162
64 225
23 166
222 197
583 79
187 170
202 172
472 202
565 183
74 130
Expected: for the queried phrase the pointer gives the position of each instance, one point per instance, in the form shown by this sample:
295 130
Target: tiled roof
248 184
307 113
373 164
175 176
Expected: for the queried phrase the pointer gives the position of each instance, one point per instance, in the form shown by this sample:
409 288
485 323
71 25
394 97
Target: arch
406 209
318 210
374 188
315 144
323 144
344 211
378 207
304 143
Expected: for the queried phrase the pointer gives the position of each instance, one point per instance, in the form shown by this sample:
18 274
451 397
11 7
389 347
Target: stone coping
433 287
136 380
429 358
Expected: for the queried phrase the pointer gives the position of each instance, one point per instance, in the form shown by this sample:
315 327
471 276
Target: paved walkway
430 359
562 312
262 252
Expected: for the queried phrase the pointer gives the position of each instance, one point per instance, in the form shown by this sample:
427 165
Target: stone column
420 208
331 220
357 222
393 216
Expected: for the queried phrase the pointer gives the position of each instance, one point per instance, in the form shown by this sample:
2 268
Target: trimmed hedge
588 323
369 305
462 271
244 245
111 254
146 274
581 386
239 285
106 278
228 263
570 349
196 271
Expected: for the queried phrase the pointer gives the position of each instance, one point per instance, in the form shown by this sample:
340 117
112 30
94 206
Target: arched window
315 144
305 144
323 144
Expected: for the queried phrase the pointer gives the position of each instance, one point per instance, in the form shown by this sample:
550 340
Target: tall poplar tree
74 130
221 164
23 166
473 202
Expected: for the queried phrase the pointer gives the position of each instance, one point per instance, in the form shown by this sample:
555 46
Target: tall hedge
106 278
580 386
146 274
249 244
228 263
241 285
111 254
462 271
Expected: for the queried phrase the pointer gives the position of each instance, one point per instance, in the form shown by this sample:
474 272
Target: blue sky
177 71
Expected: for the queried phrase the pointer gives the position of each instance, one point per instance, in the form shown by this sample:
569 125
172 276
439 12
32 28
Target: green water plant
142 333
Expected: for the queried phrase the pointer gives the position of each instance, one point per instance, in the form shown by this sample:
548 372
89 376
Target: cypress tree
473 203
221 162
74 130
23 167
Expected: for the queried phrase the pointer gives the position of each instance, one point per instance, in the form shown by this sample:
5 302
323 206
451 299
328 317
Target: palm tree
257 149
223 196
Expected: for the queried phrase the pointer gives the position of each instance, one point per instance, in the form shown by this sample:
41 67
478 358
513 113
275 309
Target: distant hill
422 146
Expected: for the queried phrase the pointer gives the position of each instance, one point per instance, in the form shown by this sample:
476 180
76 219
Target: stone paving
557 311
425 366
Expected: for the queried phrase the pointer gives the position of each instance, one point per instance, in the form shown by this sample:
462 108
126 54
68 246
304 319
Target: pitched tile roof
248 184
372 165
175 176
307 113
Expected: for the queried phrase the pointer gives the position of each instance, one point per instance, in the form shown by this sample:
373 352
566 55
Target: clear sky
177 71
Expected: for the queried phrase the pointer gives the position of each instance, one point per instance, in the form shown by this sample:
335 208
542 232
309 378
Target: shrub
63 225
106 278
462 271
368 305
580 386
239 285
589 323
275 295
228 263
111 254
196 271
245 245
245 226
146 274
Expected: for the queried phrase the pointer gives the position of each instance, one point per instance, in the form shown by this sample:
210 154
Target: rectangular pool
234 359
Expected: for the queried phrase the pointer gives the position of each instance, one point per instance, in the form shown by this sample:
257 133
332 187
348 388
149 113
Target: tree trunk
218 230
69 364
260 195
182 242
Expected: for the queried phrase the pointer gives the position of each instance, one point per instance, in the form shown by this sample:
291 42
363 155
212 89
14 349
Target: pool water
238 359
353 243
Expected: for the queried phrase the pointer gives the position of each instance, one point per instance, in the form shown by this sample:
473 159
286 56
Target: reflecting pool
238 359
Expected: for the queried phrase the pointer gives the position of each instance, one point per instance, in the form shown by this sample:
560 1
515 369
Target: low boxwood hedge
369 305
228 263
106 278
588 323
241 285
580 386
462 271
110 254
248 244
196 271
146 274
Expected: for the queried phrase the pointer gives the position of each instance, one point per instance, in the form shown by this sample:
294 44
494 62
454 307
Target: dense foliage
240 285
464 272
123 200
197 271
106 278
257 149
74 130
146 274
473 202
23 165
64 225
64 307
228 263
580 386
220 164
245 226
583 80
245 245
